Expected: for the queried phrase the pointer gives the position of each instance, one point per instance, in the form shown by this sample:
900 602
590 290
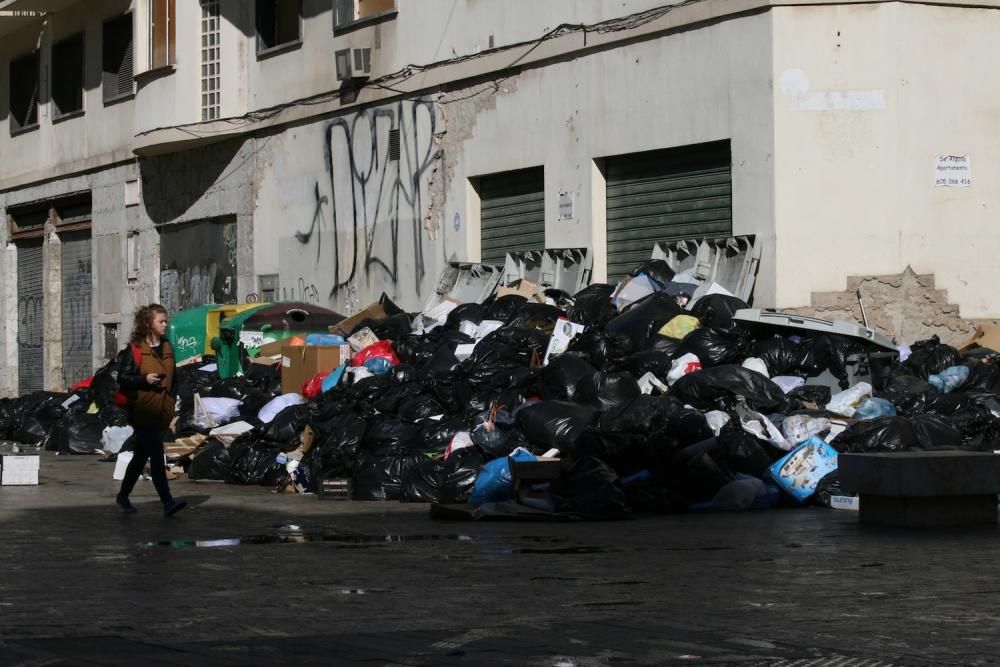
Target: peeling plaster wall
866 96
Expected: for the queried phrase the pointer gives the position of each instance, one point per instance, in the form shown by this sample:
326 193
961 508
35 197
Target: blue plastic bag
378 365
333 379
495 483
799 472
872 408
949 379
324 339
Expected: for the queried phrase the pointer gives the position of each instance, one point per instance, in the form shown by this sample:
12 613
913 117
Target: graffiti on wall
197 264
304 292
29 322
376 162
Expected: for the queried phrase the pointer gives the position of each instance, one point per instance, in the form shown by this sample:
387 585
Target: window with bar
117 70
278 23
67 75
211 105
23 92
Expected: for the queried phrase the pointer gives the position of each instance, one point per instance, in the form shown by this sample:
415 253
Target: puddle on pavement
291 534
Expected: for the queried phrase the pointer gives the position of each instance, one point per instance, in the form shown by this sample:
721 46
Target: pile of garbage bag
590 405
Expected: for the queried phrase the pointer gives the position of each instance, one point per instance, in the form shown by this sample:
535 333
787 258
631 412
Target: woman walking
146 378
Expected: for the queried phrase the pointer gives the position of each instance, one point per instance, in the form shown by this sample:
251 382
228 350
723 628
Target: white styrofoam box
18 470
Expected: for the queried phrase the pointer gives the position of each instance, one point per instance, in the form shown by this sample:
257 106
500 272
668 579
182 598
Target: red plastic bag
313 387
82 384
380 350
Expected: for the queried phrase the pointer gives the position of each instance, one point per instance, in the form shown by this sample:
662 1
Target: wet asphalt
245 576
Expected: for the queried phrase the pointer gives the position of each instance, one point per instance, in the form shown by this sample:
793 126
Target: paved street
329 582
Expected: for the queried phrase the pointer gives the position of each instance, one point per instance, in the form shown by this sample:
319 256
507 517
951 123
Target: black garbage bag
113 415
403 374
536 315
645 318
503 308
379 475
556 424
263 377
695 476
836 350
437 434
77 434
254 461
713 347
929 357
559 379
705 389
35 414
391 328
984 375
210 462
417 350
661 344
817 394
562 299
827 487
910 394
590 488
494 433
643 415
188 381
600 348
657 269
459 477
740 451
607 391
385 434
388 402
242 389
337 446
592 306
414 409
442 362
104 386
717 310
421 482
650 361
781 355
883 434
466 312
936 432
287 425
7 418
388 306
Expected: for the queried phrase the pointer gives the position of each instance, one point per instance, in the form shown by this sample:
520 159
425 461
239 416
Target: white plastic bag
755 364
716 420
847 401
113 437
761 427
799 428
216 411
688 363
276 405
788 383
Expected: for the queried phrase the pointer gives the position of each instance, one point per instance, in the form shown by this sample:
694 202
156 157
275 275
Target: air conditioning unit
353 64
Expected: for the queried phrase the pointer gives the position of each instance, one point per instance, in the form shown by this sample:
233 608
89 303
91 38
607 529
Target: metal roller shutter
666 194
30 313
513 213
77 320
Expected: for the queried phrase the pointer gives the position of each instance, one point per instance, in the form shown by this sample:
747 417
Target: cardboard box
299 364
523 287
986 336
346 327
362 339
19 470
274 349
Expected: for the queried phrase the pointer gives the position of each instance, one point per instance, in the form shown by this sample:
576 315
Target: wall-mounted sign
567 205
952 171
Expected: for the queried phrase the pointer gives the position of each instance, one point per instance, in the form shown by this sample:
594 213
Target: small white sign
562 336
952 171
252 338
567 205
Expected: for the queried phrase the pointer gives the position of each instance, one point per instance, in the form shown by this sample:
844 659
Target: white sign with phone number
952 171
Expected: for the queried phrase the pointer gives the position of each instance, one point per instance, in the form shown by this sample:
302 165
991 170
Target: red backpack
121 400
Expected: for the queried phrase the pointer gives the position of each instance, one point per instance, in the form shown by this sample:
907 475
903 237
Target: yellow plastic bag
680 326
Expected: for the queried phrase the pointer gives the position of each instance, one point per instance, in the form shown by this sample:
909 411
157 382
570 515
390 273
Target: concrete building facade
330 151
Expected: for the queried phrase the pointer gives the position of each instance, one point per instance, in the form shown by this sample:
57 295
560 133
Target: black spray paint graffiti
306 293
383 191
29 321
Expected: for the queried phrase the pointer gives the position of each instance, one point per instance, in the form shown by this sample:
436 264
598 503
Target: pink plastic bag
380 350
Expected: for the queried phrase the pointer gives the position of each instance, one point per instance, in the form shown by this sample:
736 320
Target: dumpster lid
567 269
729 261
790 322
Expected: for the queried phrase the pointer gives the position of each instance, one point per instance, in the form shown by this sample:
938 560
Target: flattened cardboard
346 327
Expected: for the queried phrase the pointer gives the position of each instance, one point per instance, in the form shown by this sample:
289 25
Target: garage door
30 312
77 319
667 194
513 213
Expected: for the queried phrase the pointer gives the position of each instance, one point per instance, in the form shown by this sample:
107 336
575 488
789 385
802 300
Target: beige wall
865 97
101 136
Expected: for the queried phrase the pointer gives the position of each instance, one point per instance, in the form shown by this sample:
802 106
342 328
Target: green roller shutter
513 213
676 193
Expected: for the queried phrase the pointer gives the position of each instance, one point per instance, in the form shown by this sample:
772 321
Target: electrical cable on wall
621 24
